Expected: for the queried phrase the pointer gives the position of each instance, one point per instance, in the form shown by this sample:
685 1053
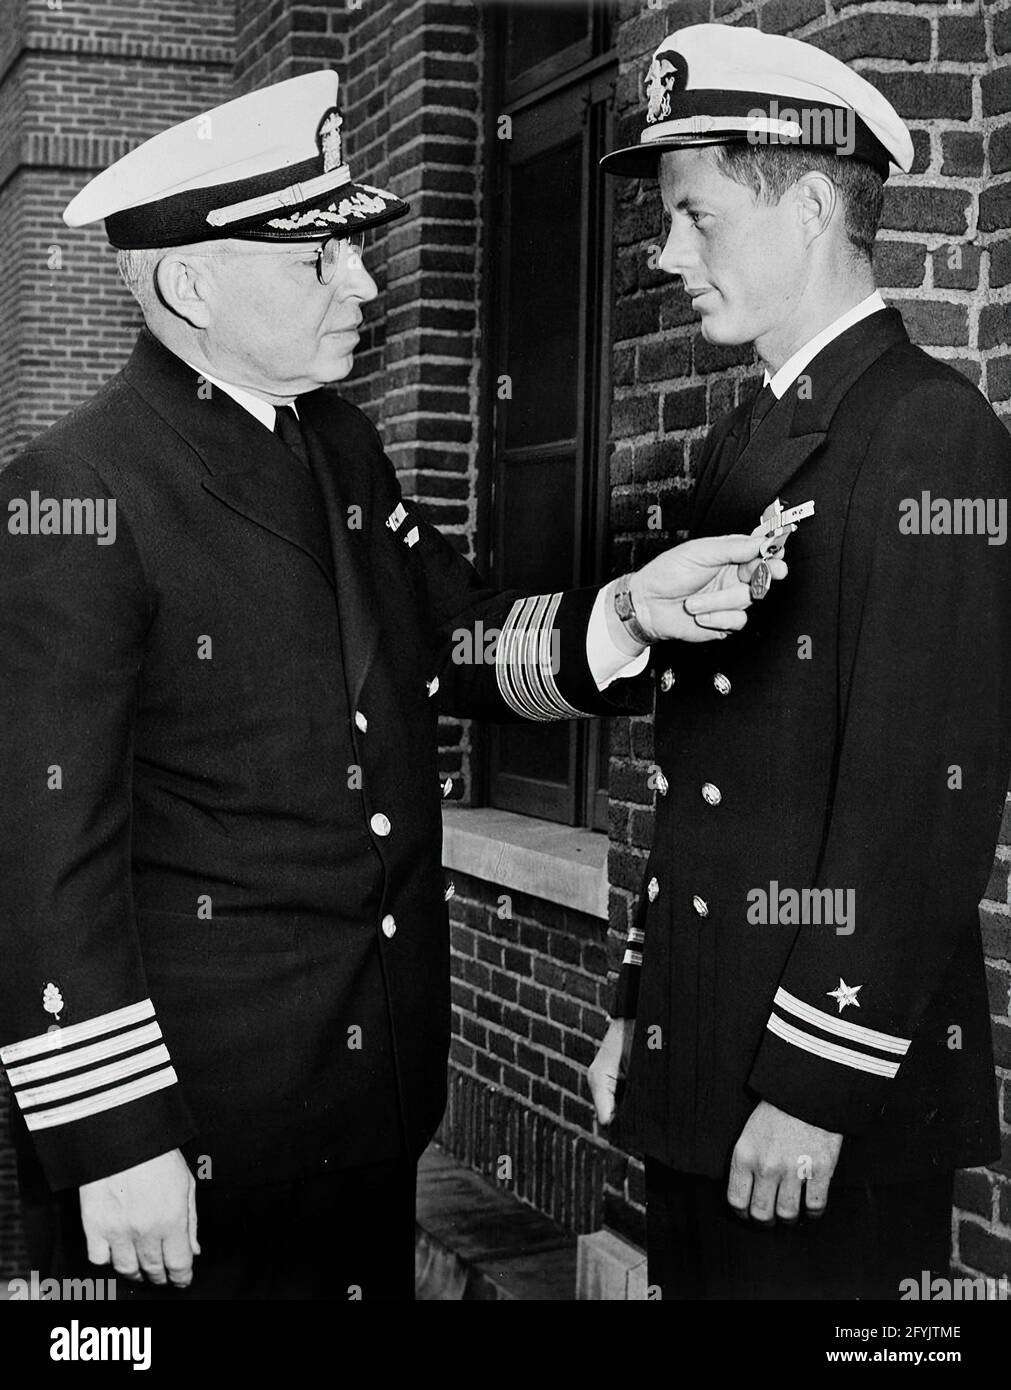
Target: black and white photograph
505 673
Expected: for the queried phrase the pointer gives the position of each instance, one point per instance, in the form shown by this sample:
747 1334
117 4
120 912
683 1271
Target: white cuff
605 658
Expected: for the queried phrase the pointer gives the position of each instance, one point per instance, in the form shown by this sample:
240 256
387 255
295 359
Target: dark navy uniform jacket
223 914
854 738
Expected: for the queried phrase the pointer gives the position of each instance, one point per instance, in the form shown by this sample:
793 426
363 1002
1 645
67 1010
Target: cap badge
668 75
329 139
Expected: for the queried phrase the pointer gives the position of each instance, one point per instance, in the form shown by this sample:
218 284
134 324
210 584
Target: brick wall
80 85
944 260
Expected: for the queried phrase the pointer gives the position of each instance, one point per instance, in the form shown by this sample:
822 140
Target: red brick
974 1191
961 39
911 209
634 415
684 409
663 360
926 95
996 91
900 264
998 983
996 930
780 16
875 36
1002 1043
998 379
995 331
979 1249
1002 31
956 266
994 208
962 152
1000 150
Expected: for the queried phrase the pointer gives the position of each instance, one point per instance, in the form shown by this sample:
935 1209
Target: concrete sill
548 861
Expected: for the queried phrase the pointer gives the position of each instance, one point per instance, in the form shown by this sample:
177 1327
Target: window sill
553 862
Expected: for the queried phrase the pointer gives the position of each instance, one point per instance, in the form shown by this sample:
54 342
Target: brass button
666 680
661 784
361 721
700 905
711 794
652 890
380 824
389 925
722 683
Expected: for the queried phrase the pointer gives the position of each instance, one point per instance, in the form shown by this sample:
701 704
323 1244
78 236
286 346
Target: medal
760 581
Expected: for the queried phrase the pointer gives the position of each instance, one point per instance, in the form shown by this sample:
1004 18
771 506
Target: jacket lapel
794 429
249 469
342 487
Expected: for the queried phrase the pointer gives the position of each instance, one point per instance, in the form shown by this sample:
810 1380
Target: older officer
805 973
224 932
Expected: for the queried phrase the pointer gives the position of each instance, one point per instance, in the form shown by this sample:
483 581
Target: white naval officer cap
712 84
267 166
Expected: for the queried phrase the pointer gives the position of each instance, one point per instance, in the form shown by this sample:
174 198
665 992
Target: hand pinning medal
775 525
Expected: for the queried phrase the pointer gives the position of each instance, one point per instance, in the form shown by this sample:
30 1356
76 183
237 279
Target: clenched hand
698 591
776 1156
144 1221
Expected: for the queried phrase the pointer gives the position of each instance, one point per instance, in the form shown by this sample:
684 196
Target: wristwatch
625 609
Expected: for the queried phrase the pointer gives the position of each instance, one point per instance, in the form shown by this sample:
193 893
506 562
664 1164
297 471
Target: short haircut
769 170
137 270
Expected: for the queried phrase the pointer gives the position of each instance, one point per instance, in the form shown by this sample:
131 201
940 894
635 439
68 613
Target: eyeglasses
331 253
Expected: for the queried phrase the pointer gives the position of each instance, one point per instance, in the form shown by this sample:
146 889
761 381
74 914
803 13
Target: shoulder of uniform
329 407
932 425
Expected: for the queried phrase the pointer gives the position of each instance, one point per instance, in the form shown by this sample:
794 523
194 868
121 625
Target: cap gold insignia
52 1000
668 73
330 139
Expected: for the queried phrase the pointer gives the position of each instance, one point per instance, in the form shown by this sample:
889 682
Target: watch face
623 603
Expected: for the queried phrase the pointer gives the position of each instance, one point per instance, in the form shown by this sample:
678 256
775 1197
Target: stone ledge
556 863
609 1268
476 1243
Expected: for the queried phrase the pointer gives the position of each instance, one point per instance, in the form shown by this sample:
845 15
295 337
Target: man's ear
183 285
818 203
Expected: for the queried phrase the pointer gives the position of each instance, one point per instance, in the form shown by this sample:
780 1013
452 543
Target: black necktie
289 432
760 407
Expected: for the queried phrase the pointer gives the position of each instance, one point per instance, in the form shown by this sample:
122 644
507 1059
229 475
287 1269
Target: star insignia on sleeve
845 994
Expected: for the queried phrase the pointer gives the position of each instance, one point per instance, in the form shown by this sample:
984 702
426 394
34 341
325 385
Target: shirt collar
257 407
792 368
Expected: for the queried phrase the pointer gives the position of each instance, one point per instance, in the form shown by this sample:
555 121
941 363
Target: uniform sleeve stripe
523 661
636 936
93 1080
83 1056
105 1100
829 1023
846 1056
632 958
77 1032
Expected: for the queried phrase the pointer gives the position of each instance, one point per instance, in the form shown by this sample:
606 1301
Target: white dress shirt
793 366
